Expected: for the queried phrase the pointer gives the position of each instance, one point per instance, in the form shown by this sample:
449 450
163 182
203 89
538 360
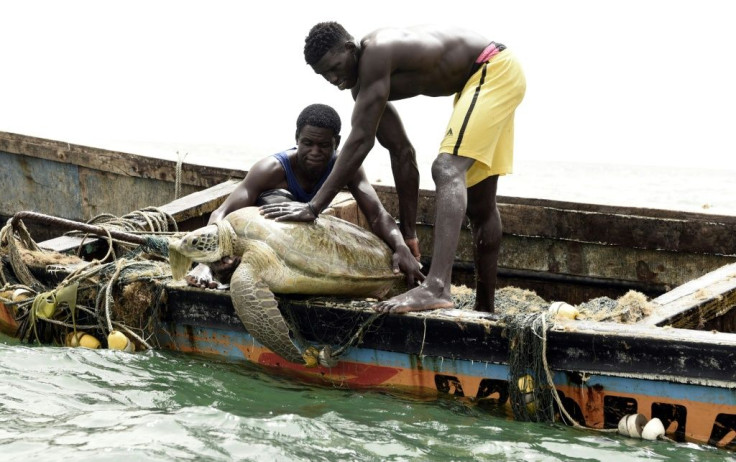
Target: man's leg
448 172
486 224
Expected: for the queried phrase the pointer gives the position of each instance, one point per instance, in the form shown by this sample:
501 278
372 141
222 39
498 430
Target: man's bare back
425 60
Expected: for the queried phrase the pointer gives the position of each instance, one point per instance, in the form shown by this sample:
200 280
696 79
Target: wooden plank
681 355
119 163
345 207
714 235
660 270
697 302
193 205
201 202
611 225
46 187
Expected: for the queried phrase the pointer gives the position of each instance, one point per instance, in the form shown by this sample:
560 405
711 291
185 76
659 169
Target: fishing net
117 293
527 319
530 388
345 328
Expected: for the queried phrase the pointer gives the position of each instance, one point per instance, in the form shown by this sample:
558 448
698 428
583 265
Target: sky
646 82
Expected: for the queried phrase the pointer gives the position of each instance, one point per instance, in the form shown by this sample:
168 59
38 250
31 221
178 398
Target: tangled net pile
95 297
532 393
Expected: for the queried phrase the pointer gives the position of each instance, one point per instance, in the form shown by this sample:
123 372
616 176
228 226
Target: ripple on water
100 405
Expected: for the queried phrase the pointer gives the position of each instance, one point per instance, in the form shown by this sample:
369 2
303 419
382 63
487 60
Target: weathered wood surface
80 182
576 346
192 207
640 228
694 304
639 248
114 162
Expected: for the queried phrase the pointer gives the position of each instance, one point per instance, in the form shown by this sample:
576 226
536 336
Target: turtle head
204 245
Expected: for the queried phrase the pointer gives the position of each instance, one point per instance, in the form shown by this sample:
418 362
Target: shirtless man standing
392 64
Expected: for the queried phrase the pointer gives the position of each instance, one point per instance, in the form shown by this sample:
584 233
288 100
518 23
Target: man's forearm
346 165
385 228
406 179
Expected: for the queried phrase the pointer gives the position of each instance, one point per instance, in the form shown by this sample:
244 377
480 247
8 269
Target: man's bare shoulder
267 170
422 35
425 48
267 164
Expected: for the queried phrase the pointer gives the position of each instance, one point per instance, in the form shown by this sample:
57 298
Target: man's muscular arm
384 226
370 101
393 137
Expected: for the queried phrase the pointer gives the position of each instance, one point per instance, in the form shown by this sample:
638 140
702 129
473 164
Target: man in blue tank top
296 175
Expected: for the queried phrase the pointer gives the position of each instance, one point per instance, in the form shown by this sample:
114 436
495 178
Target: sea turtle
329 256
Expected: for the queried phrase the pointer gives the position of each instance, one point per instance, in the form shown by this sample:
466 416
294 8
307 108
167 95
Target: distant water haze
628 102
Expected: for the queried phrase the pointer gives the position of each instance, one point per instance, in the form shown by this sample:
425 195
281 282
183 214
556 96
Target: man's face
339 66
314 148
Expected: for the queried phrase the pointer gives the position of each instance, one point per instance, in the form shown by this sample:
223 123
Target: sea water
59 403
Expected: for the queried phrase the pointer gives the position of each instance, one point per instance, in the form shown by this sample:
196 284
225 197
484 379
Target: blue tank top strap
293 185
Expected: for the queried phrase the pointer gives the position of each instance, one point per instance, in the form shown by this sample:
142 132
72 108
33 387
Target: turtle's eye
195 241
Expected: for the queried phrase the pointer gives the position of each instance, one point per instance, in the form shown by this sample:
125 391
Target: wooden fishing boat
675 364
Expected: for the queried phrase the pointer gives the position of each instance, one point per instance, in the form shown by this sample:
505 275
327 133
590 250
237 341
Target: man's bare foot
417 299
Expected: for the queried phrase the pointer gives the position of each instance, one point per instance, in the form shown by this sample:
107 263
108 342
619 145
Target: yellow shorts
482 123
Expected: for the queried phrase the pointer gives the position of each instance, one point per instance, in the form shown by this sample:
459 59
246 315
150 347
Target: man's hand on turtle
288 211
403 261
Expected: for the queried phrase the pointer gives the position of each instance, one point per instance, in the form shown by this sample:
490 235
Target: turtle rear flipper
258 310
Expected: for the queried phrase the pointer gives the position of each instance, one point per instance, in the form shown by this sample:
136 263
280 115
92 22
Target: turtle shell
329 247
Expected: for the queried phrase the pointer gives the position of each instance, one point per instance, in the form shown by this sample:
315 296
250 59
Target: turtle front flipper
258 310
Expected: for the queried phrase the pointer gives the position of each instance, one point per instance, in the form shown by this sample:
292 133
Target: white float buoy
563 310
635 424
653 430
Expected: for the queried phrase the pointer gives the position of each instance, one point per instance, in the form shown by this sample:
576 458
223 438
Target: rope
357 336
74 225
528 352
558 400
177 182
16 261
102 276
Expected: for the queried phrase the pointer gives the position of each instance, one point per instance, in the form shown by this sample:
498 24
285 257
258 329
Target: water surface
58 403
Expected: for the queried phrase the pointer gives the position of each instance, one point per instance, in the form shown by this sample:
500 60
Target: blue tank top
293 185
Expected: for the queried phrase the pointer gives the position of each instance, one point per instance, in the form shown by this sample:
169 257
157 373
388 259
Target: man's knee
448 167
